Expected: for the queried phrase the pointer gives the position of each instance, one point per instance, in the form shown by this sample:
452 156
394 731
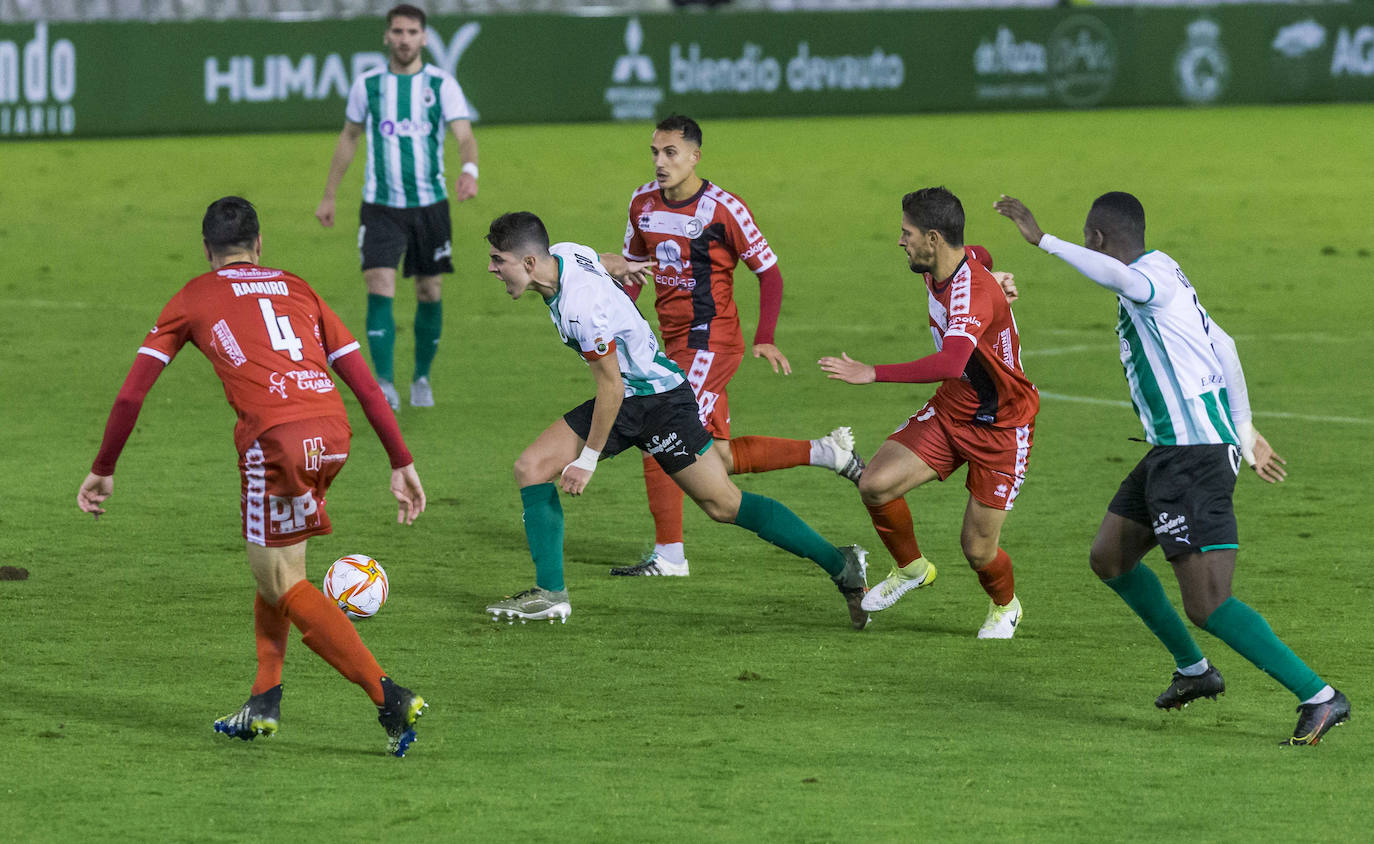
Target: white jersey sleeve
455 105
1104 270
1237 394
356 111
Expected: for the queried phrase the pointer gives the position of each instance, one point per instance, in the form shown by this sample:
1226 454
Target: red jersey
994 389
269 337
696 244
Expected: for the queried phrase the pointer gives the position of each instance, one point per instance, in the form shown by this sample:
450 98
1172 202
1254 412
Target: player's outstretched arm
1018 213
846 369
344 151
405 485
94 490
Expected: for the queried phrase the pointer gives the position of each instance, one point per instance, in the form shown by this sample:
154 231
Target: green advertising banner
250 76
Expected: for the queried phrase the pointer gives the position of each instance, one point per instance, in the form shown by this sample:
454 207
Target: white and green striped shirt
1178 363
591 311
405 117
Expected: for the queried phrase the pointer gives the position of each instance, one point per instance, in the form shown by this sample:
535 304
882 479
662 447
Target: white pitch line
1347 420
1065 350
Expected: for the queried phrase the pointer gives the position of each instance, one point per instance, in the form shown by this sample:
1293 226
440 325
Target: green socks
777 524
1248 634
429 323
381 336
544 532
1142 592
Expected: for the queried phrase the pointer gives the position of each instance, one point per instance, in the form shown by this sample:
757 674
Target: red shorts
285 474
996 457
709 373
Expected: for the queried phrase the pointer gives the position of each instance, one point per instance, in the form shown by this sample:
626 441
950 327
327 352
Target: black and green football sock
544 532
429 324
1142 592
775 523
381 336
1249 635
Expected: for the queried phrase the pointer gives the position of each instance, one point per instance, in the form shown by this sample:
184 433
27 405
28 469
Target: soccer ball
358 584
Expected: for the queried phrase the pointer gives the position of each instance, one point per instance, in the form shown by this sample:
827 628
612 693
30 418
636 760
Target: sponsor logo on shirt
277 384
226 344
248 273
758 247
311 380
406 128
1004 342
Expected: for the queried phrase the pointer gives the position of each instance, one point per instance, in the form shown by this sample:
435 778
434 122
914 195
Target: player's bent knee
719 510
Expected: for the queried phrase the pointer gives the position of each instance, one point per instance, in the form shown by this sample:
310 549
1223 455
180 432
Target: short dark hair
681 123
1118 215
405 10
936 209
230 223
517 230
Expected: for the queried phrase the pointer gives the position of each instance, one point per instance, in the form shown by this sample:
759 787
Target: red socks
329 633
893 523
765 454
997 579
665 503
270 626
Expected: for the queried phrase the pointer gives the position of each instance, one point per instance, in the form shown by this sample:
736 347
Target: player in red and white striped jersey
696 233
982 414
271 340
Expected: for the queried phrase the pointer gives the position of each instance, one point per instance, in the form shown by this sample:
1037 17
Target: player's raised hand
1008 283
465 188
844 368
94 490
1012 209
1268 464
325 212
405 485
774 356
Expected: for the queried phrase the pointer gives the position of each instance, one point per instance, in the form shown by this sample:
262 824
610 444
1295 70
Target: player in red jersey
270 339
982 414
695 234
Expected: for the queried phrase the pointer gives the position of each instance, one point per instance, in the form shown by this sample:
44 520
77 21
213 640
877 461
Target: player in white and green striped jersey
643 400
405 108
1188 389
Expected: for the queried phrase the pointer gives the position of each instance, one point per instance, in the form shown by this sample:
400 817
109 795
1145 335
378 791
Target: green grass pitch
735 704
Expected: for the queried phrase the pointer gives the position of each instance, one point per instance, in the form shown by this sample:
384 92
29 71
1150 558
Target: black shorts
667 426
423 234
1183 494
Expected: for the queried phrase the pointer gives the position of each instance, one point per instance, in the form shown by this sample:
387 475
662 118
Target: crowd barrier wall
109 79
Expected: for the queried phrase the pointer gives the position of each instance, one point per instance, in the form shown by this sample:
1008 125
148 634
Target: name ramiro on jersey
260 288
